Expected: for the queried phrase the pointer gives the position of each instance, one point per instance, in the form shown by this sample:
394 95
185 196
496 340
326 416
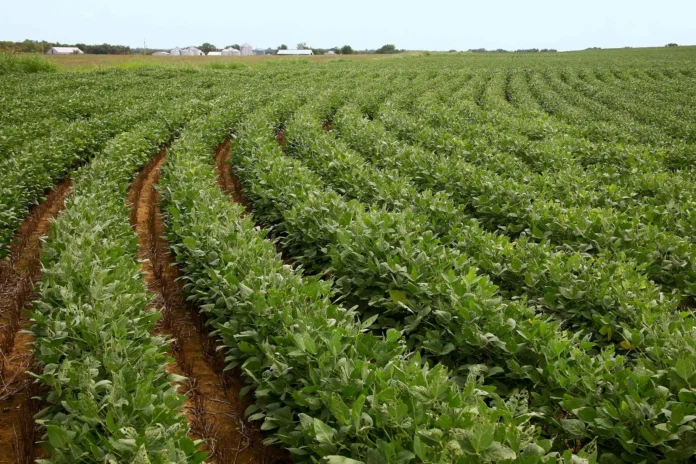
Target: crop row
391 265
323 386
657 198
110 397
39 164
502 204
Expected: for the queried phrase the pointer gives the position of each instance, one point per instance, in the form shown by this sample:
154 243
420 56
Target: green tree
346 50
283 47
207 47
385 49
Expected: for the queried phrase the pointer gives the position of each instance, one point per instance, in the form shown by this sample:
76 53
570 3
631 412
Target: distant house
295 52
214 53
246 50
191 51
330 52
160 54
231 52
64 51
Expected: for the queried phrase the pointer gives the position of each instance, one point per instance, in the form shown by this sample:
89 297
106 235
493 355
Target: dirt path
17 278
214 410
225 179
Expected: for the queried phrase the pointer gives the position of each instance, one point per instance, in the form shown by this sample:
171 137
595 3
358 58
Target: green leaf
687 396
481 437
586 414
190 243
574 427
356 411
323 432
498 452
57 436
336 459
398 297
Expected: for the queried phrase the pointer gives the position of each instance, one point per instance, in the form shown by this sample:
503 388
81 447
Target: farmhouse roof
66 49
295 52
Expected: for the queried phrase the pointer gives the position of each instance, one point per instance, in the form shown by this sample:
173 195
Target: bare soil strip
214 409
225 179
280 138
18 432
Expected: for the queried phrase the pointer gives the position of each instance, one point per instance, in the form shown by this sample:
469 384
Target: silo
175 52
246 49
230 52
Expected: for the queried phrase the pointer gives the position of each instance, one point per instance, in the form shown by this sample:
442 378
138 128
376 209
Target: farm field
460 258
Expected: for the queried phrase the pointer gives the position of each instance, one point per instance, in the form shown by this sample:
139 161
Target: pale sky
431 25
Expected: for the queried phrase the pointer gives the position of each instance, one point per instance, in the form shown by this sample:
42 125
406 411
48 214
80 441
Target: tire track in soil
214 409
18 431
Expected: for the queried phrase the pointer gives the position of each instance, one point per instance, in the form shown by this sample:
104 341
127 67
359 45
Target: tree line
42 46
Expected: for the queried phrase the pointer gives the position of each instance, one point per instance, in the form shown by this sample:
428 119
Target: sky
363 24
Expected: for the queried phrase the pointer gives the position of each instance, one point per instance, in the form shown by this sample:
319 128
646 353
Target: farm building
160 54
64 51
246 50
214 53
295 52
330 52
191 51
231 52
259 52
175 51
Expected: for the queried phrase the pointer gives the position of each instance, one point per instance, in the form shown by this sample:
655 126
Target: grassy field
626 57
90 62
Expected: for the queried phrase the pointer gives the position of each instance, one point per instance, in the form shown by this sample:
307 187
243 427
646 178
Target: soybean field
443 258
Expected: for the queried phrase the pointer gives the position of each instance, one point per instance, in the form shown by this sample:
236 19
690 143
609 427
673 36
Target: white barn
160 54
191 51
214 53
246 50
175 51
231 52
64 51
295 52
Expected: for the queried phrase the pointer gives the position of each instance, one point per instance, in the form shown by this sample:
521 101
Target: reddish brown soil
226 180
214 409
327 125
280 137
17 278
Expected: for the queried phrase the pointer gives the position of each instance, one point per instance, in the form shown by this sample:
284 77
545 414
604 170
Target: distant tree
453 51
386 49
207 47
302 46
346 50
672 44
283 47
235 46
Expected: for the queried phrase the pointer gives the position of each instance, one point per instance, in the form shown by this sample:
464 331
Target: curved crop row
110 397
509 206
393 265
323 386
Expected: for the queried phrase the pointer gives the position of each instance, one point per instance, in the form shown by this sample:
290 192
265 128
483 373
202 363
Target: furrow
18 275
214 409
